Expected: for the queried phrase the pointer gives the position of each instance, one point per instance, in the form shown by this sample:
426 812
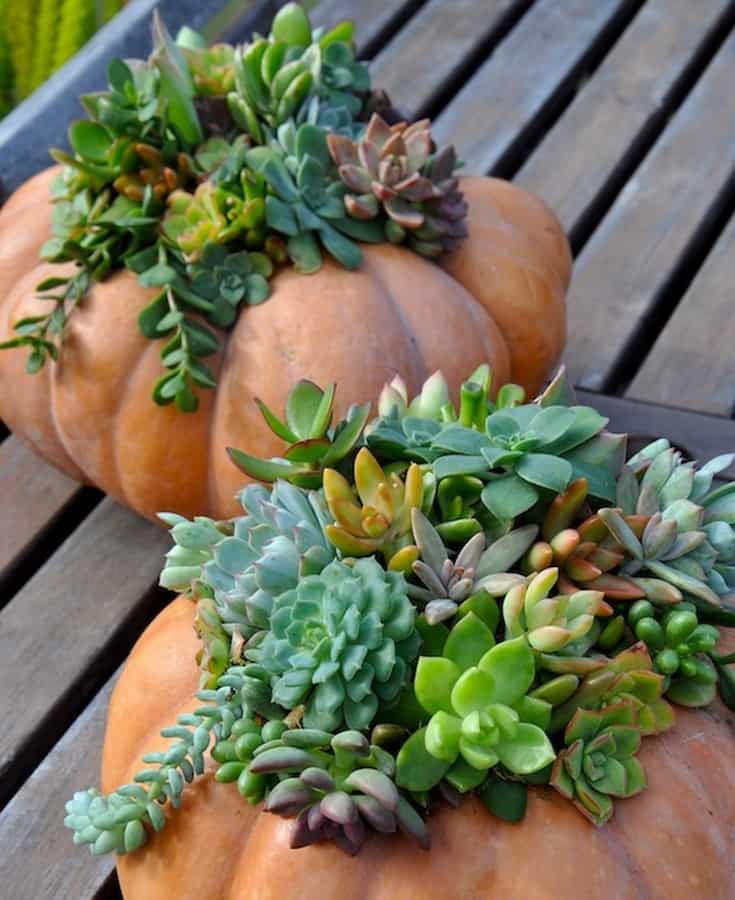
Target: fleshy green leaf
434 680
550 472
505 799
468 641
416 768
508 497
512 667
529 751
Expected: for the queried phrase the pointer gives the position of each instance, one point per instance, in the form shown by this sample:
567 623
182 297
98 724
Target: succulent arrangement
203 170
485 598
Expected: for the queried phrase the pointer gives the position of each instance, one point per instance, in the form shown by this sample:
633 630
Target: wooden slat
702 436
621 107
373 20
533 65
692 363
68 625
654 224
416 64
38 860
33 496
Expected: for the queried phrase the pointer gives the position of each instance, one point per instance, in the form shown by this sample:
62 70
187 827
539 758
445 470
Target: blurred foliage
38 36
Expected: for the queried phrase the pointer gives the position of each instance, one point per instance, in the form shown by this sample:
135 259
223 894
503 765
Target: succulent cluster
443 600
203 169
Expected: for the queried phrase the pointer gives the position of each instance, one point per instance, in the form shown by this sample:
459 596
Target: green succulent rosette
340 643
378 635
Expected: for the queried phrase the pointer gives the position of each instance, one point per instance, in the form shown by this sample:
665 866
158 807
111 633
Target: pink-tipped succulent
393 168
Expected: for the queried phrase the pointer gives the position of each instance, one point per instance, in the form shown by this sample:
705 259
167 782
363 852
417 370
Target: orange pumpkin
499 298
673 841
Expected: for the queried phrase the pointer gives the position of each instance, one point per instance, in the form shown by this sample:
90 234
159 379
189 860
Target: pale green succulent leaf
530 751
509 496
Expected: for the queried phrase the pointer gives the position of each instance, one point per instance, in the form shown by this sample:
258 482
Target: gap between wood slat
672 290
110 890
558 101
68 629
646 249
691 364
73 701
503 109
587 219
41 507
434 53
47 540
38 860
376 22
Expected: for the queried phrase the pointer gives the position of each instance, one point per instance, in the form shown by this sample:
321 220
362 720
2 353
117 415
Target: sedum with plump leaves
444 600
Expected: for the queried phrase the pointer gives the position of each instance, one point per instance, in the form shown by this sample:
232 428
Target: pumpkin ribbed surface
498 299
673 841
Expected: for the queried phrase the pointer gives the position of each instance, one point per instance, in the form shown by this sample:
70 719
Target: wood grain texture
37 857
33 495
702 436
692 363
654 223
620 107
414 66
530 67
372 20
60 630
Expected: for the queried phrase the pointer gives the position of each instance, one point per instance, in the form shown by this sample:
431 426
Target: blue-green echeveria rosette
341 643
253 559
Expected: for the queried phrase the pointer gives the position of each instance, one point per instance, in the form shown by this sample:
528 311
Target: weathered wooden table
620 113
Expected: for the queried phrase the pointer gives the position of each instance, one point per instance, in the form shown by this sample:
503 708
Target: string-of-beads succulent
118 822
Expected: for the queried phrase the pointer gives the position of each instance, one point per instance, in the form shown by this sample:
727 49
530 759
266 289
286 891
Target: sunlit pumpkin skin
498 299
675 840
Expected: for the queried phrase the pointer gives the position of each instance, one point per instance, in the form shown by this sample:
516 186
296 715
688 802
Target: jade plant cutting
487 598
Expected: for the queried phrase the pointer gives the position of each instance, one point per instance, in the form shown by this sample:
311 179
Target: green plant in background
381 521
475 693
38 36
117 822
550 623
247 563
374 584
470 581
